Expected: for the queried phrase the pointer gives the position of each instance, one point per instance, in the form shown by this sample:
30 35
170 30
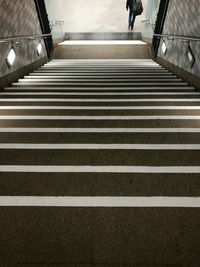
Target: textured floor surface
98 16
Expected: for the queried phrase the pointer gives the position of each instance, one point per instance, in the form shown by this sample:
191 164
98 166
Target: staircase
100 166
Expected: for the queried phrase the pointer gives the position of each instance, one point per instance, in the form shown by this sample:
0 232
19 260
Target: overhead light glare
11 57
164 48
39 48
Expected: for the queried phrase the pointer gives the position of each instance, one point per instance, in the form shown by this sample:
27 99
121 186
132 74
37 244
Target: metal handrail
23 37
177 37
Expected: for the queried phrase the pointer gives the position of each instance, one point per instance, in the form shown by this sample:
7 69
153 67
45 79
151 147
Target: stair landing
102 49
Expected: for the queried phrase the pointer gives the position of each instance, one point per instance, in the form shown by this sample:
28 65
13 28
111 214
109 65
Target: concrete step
86 77
101 101
80 111
47 75
103 95
102 67
157 89
181 136
136 83
102 50
95 235
99 184
100 71
101 80
107 61
90 95
100 157
190 122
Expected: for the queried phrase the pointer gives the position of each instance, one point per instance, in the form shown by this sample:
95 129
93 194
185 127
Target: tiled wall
183 18
19 17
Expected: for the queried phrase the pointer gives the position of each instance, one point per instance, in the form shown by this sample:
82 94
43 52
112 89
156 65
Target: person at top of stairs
135 8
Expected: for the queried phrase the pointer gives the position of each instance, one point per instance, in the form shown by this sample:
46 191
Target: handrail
23 37
177 37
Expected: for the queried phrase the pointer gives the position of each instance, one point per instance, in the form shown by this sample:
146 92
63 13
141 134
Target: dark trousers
131 19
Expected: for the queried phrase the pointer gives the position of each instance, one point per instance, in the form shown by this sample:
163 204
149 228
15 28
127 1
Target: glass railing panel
54 8
150 18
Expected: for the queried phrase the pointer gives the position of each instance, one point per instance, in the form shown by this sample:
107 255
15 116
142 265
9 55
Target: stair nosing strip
100 201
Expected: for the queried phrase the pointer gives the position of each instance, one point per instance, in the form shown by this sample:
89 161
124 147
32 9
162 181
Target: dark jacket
130 4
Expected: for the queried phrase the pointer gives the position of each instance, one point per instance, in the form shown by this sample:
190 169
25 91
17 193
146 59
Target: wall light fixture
39 48
11 57
164 48
190 56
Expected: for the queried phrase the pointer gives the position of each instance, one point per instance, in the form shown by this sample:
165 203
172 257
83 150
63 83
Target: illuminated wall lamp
164 48
190 56
11 57
39 48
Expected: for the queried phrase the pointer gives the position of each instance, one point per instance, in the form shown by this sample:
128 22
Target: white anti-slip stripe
76 61
97 76
98 61
101 61
95 67
108 62
98 130
102 89
103 85
101 94
99 64
101 118
99 100
102 146
116 62
137 202
103 42
99 72
146 82
102 66
107 75
101 79
107 65
112 64
99 108
80 69
98 169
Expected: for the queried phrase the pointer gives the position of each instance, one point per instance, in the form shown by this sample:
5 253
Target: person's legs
132 21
